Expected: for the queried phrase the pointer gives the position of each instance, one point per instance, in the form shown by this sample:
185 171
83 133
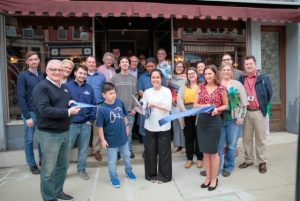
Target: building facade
188 30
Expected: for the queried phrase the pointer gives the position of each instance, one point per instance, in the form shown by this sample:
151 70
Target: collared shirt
107 72
249 85
133 72
96 80
166 69
58 85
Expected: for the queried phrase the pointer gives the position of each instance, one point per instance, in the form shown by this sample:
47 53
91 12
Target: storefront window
51 37
207 40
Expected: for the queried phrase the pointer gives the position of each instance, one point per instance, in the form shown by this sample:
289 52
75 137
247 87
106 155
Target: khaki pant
255 129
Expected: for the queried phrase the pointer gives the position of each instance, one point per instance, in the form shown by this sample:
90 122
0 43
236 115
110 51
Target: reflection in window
50 38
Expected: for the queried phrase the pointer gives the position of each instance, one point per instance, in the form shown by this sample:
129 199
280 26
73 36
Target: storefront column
292 77
254 41
3 98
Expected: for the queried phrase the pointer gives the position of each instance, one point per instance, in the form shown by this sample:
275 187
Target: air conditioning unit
11 31
28 33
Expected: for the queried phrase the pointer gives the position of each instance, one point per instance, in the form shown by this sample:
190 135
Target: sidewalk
278 184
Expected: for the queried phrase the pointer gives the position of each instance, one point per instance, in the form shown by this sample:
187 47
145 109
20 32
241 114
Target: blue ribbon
191 112
82 105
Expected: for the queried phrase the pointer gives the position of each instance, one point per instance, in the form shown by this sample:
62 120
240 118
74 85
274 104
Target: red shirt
215 98
249 85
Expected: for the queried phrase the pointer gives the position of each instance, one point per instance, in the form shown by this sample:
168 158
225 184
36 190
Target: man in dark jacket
27 80
80 128
259 91
51 104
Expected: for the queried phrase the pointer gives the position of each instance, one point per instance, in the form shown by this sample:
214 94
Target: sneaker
225 173
64 196
131 155
116 183
131 176
203 173
35 170
83 175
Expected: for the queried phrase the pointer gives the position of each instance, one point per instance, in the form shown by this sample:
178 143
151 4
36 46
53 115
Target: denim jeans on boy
130 122
28 141
83 133
229 137
112 160
56 152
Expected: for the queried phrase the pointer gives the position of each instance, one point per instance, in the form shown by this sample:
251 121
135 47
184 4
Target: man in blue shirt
81 124
96 80
27 80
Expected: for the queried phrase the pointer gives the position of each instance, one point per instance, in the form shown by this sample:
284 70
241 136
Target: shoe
40 163
203 173
131 176
245 165
160 182
225 173
262 168
132 155
64 196
143 155
188 164
177 149
116 183
83 175
119 156
35 170
205 185
210 188
98 156
199 163
183 150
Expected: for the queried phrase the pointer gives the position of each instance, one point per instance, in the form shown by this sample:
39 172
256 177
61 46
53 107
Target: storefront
189 32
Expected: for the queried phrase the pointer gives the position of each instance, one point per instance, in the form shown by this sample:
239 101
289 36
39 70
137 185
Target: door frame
282 62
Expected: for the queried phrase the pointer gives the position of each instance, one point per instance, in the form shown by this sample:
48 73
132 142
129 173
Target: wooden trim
282 63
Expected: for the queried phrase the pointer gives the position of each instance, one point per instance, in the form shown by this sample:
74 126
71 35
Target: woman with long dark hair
211 93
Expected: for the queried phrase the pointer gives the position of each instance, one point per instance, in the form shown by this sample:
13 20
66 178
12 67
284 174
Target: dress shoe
203 173
98 156
205 185
188 164
211 188
199 164
176 149
35 170
225 173
245 165
262 167
132 155
64 196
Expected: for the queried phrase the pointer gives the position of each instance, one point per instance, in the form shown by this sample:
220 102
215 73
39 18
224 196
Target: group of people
53 109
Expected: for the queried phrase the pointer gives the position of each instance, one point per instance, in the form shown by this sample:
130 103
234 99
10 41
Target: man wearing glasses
51 100
228 59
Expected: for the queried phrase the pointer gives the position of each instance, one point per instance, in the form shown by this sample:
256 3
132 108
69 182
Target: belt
255 109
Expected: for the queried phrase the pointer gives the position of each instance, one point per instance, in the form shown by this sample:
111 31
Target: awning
145 9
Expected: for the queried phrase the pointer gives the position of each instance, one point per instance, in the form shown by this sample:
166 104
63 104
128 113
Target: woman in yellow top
186 96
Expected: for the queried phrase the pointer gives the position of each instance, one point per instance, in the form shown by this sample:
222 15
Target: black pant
158 144
191 140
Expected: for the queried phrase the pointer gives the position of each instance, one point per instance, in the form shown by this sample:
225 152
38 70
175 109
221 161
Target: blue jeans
230 135
130 122
28 141
112 160
55 149
83 132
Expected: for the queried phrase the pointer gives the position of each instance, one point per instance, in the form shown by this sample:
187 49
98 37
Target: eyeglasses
191 73
56 69
134 61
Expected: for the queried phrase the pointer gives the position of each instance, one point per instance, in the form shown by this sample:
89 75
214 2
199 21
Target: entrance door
273 63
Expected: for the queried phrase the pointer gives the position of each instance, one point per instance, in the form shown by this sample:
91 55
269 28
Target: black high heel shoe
210 188
205 185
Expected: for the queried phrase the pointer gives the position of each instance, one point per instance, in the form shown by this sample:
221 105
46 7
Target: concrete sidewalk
278 184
